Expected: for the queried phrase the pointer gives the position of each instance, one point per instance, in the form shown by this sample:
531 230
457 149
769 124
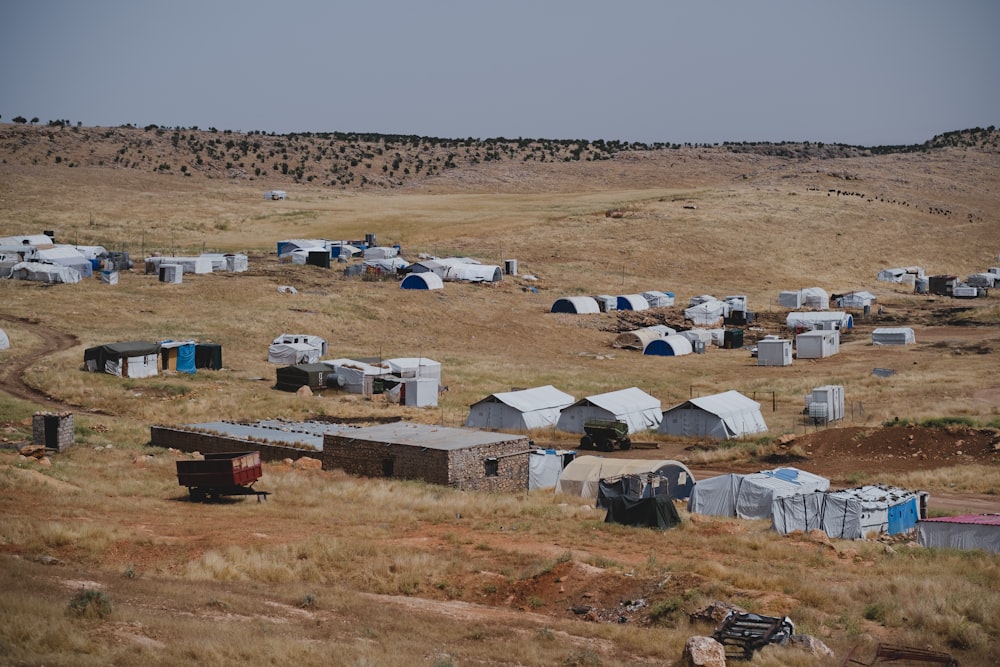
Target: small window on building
387 467
492 467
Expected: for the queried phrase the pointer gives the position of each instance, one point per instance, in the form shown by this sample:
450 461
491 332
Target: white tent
545 466
381 252
316 341
414 367
697 334
751 496
899 275
969 531
706 313
718 416
476 273
827 320
4 340
893 336
638 339
632 302
290 354
851 514
633 406
387 265
580 305
668 346
65 255
356 377
44 273
26 240
422 281
856 300
659 299
582 476
538 407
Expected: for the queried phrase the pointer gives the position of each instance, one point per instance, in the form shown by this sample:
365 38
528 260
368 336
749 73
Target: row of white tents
720 416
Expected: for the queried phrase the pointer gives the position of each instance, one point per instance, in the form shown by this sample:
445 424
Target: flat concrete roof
276 431
430 437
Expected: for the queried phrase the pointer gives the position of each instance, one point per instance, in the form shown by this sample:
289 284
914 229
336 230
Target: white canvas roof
751 496
381 252
729 414
706 313
638 339
893 336
674 345
414 367
538 407
473 273
581 476
26 240
580 305
815 320
316 341
632 302
632 406
290 354
387 264
44 273
425 280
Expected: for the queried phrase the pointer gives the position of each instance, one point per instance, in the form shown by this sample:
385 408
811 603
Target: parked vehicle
222 474
605 435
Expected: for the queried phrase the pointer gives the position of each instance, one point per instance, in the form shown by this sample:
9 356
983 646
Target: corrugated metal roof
432 437
980 519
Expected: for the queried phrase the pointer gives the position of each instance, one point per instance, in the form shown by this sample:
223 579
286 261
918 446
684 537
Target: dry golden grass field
342 570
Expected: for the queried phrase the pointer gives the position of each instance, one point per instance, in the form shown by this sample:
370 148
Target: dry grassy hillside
332 560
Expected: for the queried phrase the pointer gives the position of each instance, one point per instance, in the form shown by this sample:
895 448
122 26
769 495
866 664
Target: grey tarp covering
961 532
851 514
134 359
545 466
751 496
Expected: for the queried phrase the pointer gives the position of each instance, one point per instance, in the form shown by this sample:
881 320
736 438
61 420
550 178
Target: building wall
459 468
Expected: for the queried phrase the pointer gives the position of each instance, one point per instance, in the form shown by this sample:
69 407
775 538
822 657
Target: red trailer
222 474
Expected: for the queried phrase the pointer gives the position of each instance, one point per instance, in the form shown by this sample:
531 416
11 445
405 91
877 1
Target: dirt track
12 371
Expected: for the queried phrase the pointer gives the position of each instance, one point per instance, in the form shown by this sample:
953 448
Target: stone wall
463 468
210 443
53 430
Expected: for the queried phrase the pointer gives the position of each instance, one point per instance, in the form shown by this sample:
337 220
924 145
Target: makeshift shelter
381 252
852 514
579 305
718 416
893 336
582 477
208 355
419 392
546 465
633 406
969 531
790 299
825 404
275 194
292 353
606 303
426 280
655 512
4 340
696 335
826 320
638 339
658 299
899 275
632 302
136 359
312 375
817 344
855 300
65 255
171 273
669 346
475 273
200 264
414 367
178 355
44 273
525 409
706 313
316 341
386 265
772 351
357 377
751 496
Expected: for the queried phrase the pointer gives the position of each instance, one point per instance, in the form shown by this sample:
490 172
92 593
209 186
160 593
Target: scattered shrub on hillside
89 602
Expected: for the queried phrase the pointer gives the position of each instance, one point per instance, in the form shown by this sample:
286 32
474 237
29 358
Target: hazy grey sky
858 72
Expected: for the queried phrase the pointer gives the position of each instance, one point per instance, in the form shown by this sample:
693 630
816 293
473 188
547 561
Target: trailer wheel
586 442
197 495
625 443
606 445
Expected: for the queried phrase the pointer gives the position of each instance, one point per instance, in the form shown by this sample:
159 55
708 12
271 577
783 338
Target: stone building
462 458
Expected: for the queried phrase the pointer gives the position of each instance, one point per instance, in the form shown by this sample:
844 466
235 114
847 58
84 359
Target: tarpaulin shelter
893 336
674 345
538 407
969 531
292 353
851 514
357 377
751 496
633 406
316 341
706 313
828 320
134 359
718 416
313 375
654 512
546 465
579 305
639 338
582 476
44 273
208 355
178 355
